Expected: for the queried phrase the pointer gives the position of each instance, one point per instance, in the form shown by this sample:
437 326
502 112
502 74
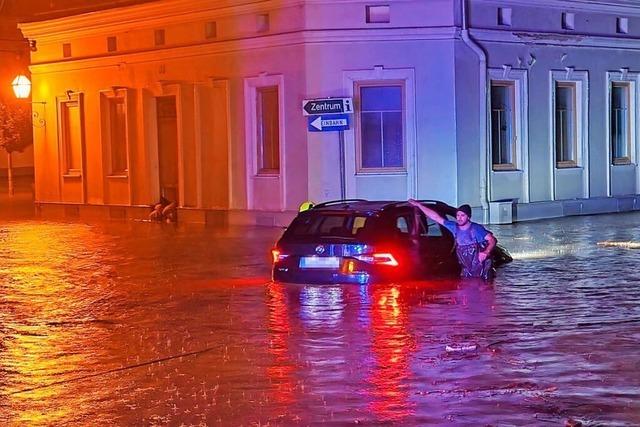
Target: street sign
327 123
327 106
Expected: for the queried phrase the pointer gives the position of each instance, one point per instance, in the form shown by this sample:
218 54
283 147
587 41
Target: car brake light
277 255
378 259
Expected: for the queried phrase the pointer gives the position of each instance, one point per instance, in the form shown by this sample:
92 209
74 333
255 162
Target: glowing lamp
21 86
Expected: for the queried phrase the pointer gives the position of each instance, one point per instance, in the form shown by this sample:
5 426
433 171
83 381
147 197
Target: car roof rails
400 202
337 202
435 202
392 204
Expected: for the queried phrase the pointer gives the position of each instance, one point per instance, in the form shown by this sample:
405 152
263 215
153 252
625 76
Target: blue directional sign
329 122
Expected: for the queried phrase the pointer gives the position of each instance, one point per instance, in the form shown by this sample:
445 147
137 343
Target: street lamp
22 88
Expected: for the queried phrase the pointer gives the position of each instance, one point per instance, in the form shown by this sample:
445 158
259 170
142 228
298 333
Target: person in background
474 243
164 210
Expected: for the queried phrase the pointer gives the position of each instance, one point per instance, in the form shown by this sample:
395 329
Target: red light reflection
281 371
392 346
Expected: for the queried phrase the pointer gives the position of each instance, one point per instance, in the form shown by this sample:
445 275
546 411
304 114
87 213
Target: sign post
343 187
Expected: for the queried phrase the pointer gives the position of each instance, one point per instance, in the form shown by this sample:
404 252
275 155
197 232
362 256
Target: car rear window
328 225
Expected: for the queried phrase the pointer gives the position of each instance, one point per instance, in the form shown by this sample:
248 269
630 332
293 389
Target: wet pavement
135 323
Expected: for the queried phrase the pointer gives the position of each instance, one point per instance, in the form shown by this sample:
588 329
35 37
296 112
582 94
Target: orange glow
275 253
349 266
43 356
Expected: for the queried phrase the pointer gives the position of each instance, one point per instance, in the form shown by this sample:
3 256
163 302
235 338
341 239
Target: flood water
132 323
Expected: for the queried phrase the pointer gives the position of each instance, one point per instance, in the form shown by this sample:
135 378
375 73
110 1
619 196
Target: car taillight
277 255
378 259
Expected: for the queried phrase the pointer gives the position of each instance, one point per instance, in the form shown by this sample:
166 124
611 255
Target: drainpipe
483 110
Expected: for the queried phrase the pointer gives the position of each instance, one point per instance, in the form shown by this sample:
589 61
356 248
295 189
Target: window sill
118 176
505 169
622 162
568 165
72 175
382 172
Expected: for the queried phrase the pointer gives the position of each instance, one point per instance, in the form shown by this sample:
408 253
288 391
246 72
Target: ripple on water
137 323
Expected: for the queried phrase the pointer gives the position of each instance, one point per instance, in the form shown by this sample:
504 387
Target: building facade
522 109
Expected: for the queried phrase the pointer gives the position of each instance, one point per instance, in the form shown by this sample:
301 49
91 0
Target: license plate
319 262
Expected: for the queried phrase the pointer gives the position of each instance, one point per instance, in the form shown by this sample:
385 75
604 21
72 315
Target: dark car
360 241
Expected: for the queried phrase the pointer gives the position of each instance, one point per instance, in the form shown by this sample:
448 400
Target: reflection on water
152 324
392 346
44 308
281 371
322 306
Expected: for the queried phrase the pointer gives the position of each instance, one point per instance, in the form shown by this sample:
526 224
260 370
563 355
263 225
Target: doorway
168 147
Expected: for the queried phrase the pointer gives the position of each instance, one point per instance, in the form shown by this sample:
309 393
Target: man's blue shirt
476 233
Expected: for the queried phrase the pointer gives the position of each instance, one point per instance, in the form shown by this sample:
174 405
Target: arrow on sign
317 123
329 122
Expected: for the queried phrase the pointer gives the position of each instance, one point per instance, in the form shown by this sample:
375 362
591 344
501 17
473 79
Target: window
503 137
262 22
565 125
265 142
66 50
429 228
112 44
378 14
569 130
507 122
114 136
210 30
622 25
158 37
381 138
387 151
621 116
70 116
620 123
327 225
268 127
568 21
403 224
504 16
358 224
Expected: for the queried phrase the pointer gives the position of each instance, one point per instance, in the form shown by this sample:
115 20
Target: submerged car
361 241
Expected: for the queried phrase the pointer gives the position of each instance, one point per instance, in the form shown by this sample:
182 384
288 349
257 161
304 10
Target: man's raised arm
430 213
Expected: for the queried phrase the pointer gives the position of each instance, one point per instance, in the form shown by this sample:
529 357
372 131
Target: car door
436 245
405 245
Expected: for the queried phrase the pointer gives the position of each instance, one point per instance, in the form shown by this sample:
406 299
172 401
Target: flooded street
133 323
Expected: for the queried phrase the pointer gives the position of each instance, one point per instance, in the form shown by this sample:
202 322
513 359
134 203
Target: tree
15 133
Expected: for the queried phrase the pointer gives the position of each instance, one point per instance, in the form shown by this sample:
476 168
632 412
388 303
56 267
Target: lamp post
16 124
22 89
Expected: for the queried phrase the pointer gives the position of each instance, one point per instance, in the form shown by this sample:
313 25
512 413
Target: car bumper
321 277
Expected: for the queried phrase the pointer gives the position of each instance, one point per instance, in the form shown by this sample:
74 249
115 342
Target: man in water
474 243
164 210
